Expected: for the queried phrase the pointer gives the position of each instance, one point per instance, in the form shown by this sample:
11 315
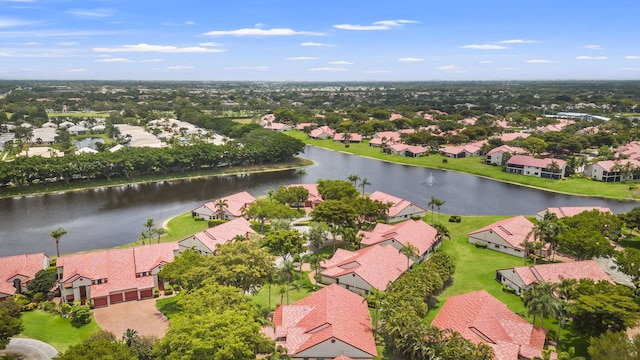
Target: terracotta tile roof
118 266
376 265
535 162
223 233
481 318
398 204
513 230
235 203
554 273
355 137
512 136
26 265
608 165
314 194
330 313
342 357
322 130
417 232
569 211
414 149
301 126
455 150
507 149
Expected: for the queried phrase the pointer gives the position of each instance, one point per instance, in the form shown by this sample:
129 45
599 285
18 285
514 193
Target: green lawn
475 166
168 306
54 329
297 290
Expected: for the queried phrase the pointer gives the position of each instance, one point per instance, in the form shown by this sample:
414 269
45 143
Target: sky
329 40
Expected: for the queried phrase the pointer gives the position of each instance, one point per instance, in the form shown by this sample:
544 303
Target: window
496 246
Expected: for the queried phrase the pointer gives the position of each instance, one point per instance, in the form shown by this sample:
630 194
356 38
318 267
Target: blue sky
332 40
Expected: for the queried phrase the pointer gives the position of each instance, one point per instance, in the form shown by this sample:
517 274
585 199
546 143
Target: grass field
299 289
475 166
54 329
169 306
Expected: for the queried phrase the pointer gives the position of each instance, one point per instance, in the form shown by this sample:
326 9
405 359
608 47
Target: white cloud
210 44
150 60
538 61
518 41
585 57
180 67
340 63
378 25
486 61
328 69
377 71
113 60
630 69
447 67
316 44
251 68
68 43
410 59
30 43
94 13
632 57
302 58
259 32
77 70
593 47
190 23
158 49
8 22
485 47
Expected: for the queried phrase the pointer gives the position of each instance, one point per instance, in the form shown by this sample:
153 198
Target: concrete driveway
141 316
30 349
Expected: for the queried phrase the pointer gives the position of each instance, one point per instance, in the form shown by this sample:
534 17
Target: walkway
30 349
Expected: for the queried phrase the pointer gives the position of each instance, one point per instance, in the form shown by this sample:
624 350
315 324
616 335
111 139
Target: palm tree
130 337
363 183
410 251
144 236
375 300
288 272
57 234
354 179
300 172
438 204
559 311
442 231
159 231
432 204
149 225
346 136
540 300
220 205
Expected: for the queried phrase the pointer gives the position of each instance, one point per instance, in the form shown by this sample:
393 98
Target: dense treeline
256 147
406 304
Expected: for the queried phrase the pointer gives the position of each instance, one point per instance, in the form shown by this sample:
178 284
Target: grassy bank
54 329
475 166
99 183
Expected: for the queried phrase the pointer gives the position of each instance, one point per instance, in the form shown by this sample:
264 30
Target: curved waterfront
102 218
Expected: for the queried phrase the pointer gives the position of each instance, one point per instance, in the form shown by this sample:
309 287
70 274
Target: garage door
116 298
99 302
146 294
131 295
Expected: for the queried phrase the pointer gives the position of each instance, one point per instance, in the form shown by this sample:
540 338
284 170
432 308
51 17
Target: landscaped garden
54 329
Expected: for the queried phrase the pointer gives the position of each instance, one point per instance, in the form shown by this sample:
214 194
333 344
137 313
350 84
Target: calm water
105 218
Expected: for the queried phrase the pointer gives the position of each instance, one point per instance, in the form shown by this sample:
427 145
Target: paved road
30 349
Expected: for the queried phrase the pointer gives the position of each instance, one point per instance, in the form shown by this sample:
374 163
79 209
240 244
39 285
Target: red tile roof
608 165
398 204
377 265
414 149
223 233
513 230
554 273
118 266
534 162
355 137
455 150
314 194
235 203
507 149
320 131
513 136
481 318
330 313
26 265
569 211
417 232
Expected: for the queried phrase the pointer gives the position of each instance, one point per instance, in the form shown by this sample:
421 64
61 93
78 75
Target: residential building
415 232
399 209
235 207
500 155
314 197
408 150
523 278
353 137
207 241
461 151
321 133
481 318
569 211
385 138
112 276
373 267
531 166
16 272
613 170
329 323
507 236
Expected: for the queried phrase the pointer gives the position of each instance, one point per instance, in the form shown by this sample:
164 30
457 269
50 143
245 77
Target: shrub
39 297
65 310
455 218
48 306
216 222
480 245
156 293
198 218
21 299
168 290
508 290
29 307
415 217
80 315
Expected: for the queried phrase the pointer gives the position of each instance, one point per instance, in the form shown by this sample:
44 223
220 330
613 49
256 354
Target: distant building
531 166
235 206
16 272
507 236
569 211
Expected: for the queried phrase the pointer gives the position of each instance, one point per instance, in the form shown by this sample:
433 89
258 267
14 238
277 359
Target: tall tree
411 252
300 173
10 326
56 235
364 183
221 205
284 243
336 189
628 262
614 346
337 214
540 301
354 179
